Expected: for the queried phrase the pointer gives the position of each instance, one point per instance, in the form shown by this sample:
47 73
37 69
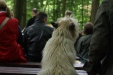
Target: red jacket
10 50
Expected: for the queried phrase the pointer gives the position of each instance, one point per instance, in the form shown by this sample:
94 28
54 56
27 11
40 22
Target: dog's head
66 26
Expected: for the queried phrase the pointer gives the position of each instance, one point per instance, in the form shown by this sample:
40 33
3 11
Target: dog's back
59 54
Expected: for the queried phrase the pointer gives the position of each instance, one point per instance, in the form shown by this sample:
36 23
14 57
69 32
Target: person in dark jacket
20 37
82 46
35 38
32 20
101 48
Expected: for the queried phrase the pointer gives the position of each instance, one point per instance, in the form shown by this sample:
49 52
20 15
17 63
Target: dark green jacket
82 47
101 47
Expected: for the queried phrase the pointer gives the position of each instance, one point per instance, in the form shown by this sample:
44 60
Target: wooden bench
78 66
30 68
18 71
26 71
29 65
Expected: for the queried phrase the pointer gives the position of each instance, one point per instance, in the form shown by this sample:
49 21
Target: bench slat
29 65
26 71
78 66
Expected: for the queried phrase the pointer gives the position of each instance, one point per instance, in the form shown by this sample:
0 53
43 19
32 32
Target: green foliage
10 4
81 9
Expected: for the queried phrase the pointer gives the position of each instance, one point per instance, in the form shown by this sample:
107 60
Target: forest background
83 10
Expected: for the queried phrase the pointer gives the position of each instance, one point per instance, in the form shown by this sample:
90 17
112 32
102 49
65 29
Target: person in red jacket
10 50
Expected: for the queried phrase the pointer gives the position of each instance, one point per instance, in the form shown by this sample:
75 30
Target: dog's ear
55 25
72 26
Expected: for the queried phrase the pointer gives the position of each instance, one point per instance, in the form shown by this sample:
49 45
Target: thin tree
95 5
64 7
54 8
24 15
82 12
20 11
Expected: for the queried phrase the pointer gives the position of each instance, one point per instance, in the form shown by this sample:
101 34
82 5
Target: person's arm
78 46
25 38
99 45
20 37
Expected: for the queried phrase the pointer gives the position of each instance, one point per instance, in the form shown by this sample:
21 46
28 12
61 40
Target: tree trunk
23 23
54 8
64 7
58 9
95 4
82 13
20 11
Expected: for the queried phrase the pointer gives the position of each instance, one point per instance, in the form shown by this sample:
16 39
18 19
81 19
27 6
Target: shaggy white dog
59 54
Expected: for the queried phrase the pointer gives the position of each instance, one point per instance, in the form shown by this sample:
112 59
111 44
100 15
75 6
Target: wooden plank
18 71
29 65
26 71
80 71
77 66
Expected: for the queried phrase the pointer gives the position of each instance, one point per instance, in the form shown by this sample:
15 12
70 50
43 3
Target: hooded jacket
10 50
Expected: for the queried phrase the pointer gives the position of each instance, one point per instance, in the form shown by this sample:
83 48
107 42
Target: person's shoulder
49 27
29 27
85 37
14 19
30 19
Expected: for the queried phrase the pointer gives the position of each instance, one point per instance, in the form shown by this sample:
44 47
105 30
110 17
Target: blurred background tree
83 10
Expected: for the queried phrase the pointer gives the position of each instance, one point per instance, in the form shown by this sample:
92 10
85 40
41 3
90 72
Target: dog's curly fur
59 54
